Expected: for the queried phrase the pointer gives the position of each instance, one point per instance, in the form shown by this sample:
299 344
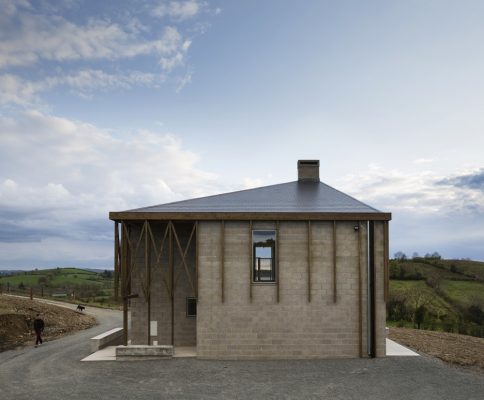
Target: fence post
31 294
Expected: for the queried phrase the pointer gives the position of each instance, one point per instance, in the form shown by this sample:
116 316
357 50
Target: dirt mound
453 348
17 316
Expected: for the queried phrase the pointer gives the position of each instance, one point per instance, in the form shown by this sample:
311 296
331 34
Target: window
264 266
191 307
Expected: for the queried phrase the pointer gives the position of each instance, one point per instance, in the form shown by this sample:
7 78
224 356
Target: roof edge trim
245 216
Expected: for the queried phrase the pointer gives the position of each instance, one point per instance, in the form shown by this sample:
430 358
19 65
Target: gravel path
53 371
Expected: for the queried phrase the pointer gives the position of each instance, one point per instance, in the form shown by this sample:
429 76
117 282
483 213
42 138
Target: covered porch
156 277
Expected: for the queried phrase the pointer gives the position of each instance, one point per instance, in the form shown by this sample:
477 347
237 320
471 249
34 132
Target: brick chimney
308 170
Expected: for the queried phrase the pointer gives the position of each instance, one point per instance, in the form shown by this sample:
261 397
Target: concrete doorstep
143 352
109 354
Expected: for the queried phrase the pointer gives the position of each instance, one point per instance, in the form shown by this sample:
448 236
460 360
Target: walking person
38 328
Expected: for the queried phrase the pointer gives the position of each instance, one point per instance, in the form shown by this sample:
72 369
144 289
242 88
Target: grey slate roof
292 197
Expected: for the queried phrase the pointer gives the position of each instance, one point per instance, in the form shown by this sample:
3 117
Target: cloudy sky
111 105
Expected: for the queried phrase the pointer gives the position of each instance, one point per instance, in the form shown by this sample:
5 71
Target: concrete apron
393 349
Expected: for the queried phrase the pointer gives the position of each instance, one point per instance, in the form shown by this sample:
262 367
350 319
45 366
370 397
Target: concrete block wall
184 327
262 328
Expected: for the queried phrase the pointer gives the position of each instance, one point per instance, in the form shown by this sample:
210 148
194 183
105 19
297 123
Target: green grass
27 280
437 306
464 292
400 286
429 269
88 287
468 267
63 277
447 289
400 324
76 279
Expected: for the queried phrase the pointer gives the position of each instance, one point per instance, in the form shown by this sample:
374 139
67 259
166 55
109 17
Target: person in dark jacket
38 328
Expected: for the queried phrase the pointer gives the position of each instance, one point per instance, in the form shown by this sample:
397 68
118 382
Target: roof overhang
246 216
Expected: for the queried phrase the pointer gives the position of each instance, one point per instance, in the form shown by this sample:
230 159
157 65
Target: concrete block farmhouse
293 270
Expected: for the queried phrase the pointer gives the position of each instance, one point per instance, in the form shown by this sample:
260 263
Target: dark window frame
256 271
188 314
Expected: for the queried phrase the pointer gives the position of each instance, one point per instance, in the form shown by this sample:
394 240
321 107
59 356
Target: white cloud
250 183
178 10
93 79
59 178
53 38
430 212
86 160
175 56
15 90
10 7
423 161
418 193
87 54
183 81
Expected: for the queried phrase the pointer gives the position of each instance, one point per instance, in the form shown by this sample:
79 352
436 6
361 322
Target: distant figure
80 308
38 328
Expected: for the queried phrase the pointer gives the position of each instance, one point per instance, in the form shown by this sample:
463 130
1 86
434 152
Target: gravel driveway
54 372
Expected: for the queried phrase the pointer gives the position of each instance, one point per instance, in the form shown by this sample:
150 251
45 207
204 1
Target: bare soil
17 316
462 350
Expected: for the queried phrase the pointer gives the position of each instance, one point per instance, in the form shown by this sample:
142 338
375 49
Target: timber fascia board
246 216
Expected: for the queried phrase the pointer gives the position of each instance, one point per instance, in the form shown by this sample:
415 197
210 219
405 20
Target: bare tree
418 299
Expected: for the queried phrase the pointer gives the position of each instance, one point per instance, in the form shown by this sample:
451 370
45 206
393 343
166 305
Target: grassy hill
436 294
71 283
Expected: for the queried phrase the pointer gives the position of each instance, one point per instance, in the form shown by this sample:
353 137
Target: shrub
432 325
448 324
394 270
397 309
475 314
42 280
420 313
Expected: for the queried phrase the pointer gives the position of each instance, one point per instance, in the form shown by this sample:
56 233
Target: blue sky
113 105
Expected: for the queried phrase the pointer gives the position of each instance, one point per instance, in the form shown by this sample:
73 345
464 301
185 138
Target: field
466 293
437 303
435 294
466 267
72 284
